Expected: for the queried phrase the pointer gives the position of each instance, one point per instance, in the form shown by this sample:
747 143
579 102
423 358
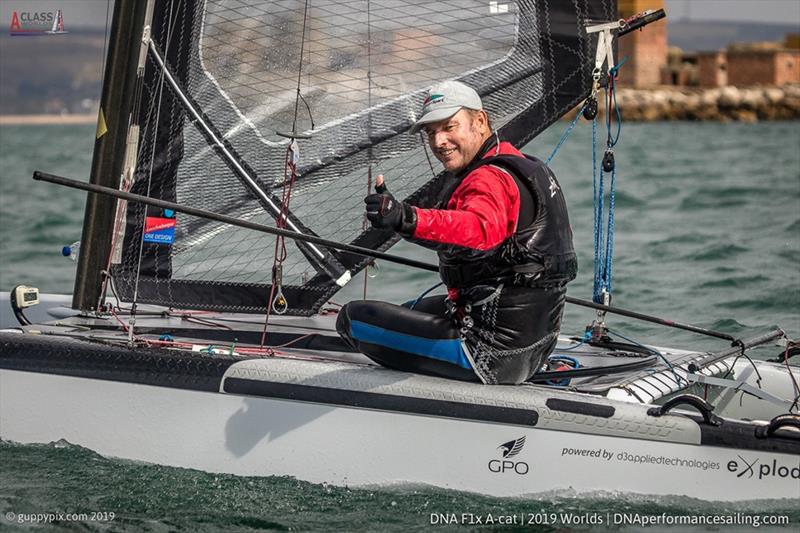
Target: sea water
707 231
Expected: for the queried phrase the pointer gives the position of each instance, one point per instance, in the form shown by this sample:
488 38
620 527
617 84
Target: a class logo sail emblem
508 451
37 23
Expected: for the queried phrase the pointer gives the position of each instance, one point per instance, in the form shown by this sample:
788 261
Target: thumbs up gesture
380 185
385 212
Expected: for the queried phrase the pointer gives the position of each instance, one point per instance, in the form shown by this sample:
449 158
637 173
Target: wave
717 197
732 282
720 251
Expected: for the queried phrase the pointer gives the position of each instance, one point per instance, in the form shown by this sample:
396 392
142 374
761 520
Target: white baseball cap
445 100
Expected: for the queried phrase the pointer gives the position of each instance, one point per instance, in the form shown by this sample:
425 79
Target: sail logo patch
509 450
159 230
37 23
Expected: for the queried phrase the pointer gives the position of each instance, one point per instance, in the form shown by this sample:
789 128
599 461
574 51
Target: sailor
500 228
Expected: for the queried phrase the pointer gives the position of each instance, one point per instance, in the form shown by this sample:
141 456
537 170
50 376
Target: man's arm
481 214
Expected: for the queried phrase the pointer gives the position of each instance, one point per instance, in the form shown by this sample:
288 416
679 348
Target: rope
678 378
609 253
277 301
132 322
300 69
598 188
566 133
424 293
604 252
611 97
365 225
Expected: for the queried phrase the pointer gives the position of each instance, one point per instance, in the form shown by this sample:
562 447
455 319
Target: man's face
456 140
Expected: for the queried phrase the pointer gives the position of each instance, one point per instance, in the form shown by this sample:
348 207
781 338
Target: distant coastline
713 104
38 120
717 104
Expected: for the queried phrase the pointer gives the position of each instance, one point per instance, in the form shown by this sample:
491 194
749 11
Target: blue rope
619 119
587 336
610 239
603 252
618 66
595 227
603 255
421 296
678 379
612 139
598 186
581 343
566 133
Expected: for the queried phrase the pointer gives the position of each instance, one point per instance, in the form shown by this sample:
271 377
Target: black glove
384 212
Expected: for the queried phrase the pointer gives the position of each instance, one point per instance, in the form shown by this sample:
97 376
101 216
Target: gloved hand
385 212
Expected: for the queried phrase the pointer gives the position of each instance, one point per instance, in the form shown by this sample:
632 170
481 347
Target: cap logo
433 99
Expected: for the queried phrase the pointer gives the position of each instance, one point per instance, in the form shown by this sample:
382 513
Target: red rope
279 255
121 323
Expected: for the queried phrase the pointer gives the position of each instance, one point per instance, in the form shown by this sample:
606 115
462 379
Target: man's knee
343 324
360 310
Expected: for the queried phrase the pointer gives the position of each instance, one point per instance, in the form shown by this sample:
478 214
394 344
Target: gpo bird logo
506 464
512 447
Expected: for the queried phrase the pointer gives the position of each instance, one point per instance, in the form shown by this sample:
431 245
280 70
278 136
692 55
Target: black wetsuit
503 320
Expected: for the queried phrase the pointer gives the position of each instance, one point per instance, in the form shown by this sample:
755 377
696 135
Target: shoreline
714 104
41 120
663 103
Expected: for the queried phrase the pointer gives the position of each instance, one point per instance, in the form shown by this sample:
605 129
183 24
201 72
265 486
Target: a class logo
37 23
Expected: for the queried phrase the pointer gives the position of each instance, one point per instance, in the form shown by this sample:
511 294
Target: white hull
317 442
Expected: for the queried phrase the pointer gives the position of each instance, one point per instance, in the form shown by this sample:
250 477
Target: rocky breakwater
724 104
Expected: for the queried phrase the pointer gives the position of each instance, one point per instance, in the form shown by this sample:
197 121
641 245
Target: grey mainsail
362 69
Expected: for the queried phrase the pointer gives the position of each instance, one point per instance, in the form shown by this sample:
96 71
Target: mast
108 162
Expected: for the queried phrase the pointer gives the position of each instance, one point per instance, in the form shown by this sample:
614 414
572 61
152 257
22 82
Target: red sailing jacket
482 212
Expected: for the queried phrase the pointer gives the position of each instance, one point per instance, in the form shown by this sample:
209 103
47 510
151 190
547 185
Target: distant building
712 69
681 68
646 50
650 62
763 66
740 65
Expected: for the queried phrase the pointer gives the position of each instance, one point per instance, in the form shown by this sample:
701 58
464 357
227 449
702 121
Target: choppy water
707 232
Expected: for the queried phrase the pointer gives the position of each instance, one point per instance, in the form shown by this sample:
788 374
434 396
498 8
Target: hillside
62 73
692 36
51 73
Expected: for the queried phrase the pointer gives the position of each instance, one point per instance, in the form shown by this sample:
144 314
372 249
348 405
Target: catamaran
235 143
